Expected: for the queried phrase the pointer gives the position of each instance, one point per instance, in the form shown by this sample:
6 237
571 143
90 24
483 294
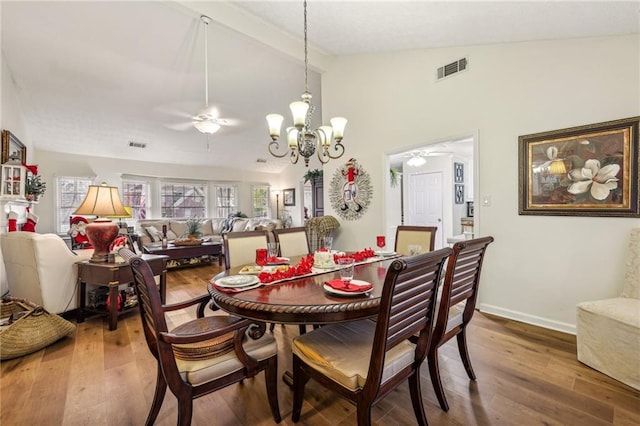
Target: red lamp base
101 233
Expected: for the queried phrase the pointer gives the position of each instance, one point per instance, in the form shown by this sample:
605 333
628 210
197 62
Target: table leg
82 289
112 309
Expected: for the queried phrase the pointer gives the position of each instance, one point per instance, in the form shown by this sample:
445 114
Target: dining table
305 299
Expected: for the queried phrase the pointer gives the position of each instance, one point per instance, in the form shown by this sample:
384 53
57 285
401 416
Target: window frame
62 224
186 211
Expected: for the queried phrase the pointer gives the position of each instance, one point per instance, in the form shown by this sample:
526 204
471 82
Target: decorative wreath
78 232
350 190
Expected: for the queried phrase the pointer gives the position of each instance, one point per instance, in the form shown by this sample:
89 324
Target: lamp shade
102 200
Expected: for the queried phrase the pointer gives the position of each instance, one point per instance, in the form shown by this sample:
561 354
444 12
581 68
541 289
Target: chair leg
185 410
158 397
416 398
434 372
464 353
272 326
302 329
271 379
300 379
364 414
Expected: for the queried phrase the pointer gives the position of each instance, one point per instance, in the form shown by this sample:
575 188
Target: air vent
452 68
137 144
261 160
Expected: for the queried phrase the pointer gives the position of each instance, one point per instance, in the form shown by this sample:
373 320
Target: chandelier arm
338 147
295 155
277 146
323 155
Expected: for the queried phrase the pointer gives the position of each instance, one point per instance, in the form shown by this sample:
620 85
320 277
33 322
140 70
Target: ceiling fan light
207 126
416 161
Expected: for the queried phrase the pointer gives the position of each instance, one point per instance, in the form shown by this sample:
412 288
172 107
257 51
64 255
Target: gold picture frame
11 144
587 170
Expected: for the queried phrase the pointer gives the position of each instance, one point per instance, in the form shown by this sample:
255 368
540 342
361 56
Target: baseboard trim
528 319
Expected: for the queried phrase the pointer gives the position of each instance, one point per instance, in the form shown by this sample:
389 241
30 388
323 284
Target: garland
303 267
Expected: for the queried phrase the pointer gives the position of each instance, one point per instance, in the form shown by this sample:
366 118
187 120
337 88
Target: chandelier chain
306 51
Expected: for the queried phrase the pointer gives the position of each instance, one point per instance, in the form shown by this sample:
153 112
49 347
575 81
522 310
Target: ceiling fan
206 120
417 158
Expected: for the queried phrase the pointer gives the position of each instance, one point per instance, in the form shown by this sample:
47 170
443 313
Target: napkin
339 285
231 290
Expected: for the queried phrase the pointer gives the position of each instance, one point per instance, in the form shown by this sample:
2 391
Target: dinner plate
384 253
237 281
278 261
238 289
332 290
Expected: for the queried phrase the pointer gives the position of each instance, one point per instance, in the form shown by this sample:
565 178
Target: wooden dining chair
364 360
202 355
293 241
240 247
424 236
456 307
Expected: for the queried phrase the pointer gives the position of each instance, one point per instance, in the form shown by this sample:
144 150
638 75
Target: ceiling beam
225 13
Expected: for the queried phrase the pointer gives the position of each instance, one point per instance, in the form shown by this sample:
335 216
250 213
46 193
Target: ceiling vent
452 68
137 144
261 160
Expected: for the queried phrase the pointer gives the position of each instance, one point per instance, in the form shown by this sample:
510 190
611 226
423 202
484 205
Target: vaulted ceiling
91 77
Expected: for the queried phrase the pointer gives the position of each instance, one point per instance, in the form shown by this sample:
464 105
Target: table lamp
102 201
122 224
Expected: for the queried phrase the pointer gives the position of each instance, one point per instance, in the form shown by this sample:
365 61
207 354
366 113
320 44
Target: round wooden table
303 300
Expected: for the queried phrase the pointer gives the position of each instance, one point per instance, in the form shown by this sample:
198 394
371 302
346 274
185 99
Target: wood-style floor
526 376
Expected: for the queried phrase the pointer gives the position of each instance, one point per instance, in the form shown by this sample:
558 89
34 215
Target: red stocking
30 226
13 221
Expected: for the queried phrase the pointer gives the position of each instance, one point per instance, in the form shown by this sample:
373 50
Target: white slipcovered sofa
42 269
150 230
608 331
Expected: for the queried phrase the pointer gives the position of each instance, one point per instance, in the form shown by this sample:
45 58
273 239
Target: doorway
429 182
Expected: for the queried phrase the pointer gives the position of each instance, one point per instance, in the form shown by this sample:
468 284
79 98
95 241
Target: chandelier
301 139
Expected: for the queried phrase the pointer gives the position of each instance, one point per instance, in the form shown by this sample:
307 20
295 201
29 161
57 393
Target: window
183 199
225 200
135 194
260 200
70 192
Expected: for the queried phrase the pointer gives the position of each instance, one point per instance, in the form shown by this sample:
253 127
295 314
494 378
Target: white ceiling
92 76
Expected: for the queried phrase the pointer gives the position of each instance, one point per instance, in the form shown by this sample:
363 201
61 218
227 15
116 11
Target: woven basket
34 330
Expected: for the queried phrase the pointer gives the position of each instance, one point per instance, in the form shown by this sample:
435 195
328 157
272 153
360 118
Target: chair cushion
201 371
205 349
342 353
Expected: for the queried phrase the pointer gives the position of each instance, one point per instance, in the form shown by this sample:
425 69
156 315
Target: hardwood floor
526 376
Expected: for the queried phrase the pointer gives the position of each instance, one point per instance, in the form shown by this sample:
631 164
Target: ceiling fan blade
180 127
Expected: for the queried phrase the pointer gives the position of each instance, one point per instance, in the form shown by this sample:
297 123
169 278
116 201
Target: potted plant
193 228
34 187
312 175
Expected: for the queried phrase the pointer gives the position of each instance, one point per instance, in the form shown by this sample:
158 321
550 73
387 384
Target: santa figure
350 189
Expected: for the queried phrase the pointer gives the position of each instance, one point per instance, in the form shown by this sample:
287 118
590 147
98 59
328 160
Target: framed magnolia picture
588 170
11 145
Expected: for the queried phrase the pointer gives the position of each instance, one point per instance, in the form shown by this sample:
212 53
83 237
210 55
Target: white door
425 202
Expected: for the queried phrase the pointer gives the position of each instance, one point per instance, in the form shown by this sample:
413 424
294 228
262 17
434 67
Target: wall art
12 145
587 170
350 190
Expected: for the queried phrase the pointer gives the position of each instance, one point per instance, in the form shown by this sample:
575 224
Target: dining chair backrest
424 236
457 305
240 247
293 241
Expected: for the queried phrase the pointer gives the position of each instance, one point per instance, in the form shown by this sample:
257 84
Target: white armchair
608 331
41 268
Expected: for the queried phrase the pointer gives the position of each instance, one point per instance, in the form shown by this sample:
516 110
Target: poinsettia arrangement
306 263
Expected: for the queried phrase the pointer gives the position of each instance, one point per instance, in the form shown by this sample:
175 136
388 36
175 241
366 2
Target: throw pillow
179 227
154 233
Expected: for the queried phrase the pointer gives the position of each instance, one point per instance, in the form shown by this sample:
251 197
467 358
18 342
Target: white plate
348 293
239 289
384 253
237 281
334 266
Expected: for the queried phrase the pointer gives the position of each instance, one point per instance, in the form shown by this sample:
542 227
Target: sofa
150 230
608 330
42 269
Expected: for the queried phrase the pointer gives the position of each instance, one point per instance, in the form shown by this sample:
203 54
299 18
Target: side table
113 275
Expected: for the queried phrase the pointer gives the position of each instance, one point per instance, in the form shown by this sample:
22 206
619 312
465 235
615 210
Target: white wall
539 267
